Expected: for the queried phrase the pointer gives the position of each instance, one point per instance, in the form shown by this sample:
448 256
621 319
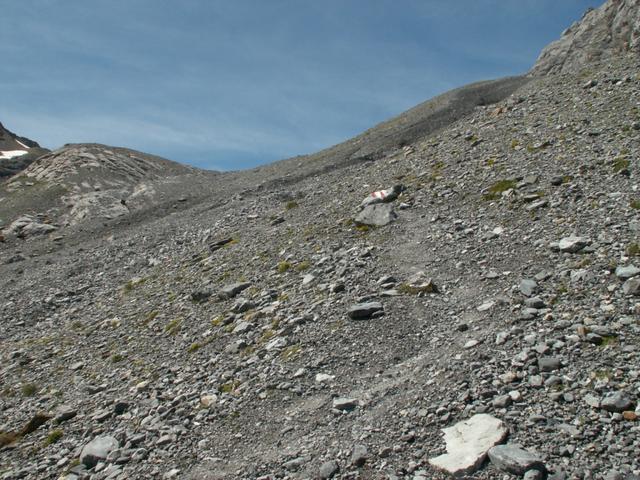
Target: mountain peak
609 31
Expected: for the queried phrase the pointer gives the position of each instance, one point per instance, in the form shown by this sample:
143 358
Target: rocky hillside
609 31
90 185
16 153
481 278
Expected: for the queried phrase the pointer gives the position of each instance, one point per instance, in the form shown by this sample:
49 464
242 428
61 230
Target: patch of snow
21 144
11 154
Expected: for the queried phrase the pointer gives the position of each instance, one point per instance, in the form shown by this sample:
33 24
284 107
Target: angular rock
98 449
513 459
345 404
363 311
528 287
468 443
230 291
328 470
376 215
625 273
573 244
359 456
616 402
549 364
632 287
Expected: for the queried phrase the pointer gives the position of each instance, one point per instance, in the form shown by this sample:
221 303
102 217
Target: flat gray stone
632 287
528 287
549 364
616 402
625 273
346 404
513 459
98 449
377 215
468 443
328 470
573 244
359 456
363 311
230 291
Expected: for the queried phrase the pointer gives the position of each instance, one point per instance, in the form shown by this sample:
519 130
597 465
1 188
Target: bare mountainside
281 324
16 152
611 30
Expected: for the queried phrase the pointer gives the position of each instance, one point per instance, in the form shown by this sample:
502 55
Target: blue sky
236 83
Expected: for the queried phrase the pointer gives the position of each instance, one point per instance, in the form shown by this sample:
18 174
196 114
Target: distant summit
609 31
16 153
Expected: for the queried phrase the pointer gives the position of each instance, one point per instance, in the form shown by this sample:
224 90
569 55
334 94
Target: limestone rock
377 215
468 443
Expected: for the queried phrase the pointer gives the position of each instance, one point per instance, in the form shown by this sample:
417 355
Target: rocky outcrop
611 30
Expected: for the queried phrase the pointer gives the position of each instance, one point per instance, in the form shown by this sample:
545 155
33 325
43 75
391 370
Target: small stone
230 291
616 402
345 404
359 456
549 364
528 287
470 344
533 475
328 470
630 415
77 366
631 287
534 302
363 311
513 459
502 401
97 450
573 244
625 273
64 413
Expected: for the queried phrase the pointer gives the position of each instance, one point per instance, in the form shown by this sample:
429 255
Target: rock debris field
290 333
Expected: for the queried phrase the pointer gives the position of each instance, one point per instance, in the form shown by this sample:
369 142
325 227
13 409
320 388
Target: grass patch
290 352
173 327
633 249
53 437
149 317
635 204
302 266
283 266
29 390
229 387
497 189
194 347
620 164
417 289
290 205
117 358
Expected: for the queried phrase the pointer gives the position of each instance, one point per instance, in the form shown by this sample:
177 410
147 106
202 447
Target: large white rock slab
468 443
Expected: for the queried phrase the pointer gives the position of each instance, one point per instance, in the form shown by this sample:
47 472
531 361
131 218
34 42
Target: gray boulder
513 459
377 215
363 311
97 450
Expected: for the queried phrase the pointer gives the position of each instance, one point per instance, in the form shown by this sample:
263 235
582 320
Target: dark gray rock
363 311
549 364
632 287
616 402
230 291
513 459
